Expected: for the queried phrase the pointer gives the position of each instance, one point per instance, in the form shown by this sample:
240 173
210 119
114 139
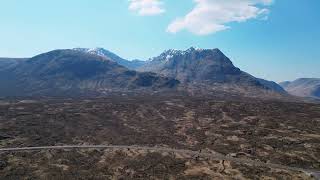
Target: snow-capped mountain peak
112 56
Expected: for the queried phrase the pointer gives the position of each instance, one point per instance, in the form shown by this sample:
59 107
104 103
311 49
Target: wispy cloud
147 7
210 16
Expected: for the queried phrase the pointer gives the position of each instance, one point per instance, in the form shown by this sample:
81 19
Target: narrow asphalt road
214 156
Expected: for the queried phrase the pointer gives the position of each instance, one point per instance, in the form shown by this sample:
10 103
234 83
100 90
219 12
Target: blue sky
277 40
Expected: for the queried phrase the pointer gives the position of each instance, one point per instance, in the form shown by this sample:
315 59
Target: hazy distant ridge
303 87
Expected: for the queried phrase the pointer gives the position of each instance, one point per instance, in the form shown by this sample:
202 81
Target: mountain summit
204 66
194 65
112 56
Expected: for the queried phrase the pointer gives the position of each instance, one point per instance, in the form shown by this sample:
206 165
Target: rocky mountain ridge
70 72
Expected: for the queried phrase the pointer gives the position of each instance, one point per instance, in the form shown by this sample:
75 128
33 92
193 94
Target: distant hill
70 72
209 67
303 87
113 57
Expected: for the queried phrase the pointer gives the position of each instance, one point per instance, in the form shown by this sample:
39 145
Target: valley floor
274 132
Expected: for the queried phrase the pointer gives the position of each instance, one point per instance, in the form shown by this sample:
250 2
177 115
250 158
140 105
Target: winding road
214 156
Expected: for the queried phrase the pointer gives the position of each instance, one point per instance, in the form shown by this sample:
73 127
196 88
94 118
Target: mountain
98 71
208 67
71 72
284 84
7 63
303 87
272 85
134 64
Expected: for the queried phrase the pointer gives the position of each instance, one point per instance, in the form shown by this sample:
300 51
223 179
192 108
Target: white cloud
147 7
211 16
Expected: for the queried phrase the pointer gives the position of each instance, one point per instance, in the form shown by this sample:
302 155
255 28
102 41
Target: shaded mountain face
205 66
272 85
304 87
65 72
134 64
